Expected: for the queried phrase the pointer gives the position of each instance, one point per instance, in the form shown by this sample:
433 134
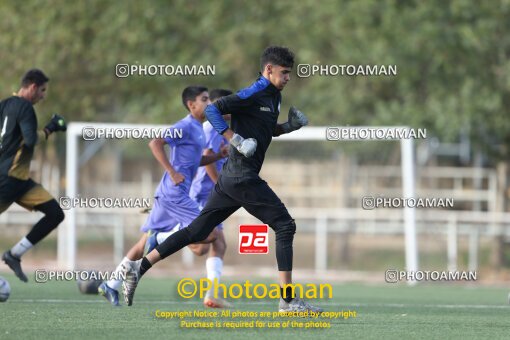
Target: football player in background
18 137
204 182
173 208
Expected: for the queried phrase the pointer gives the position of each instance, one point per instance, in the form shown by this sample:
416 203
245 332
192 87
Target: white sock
21 247
214 267
115 284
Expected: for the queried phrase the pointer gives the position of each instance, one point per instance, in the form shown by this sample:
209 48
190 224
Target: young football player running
173 208
255 112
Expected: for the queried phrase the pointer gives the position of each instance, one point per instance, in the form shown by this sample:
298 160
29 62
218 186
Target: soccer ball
89 286
5 289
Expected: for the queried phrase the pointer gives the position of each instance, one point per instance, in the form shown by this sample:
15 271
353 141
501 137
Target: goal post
67 241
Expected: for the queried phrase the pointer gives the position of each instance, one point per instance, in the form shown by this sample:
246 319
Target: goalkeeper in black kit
255 112
18 137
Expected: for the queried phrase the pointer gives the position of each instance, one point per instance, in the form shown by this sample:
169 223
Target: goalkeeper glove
57 123
297 119
246 147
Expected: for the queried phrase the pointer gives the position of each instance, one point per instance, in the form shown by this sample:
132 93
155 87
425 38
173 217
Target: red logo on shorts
253 239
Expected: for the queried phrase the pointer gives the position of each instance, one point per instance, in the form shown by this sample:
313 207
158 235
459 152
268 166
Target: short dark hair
218 93
34 76
191 93
277 55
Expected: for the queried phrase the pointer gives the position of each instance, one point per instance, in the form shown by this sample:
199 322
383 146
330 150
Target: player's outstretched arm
296 120
157 147
210 169
214 114
57 123
211 157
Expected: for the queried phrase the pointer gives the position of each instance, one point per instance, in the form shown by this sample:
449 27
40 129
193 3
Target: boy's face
197 107
278 75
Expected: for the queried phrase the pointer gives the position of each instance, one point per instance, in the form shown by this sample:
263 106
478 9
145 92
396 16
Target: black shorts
252 193
26 193
228 195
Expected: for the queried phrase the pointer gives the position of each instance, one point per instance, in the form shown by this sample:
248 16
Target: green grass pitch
56 310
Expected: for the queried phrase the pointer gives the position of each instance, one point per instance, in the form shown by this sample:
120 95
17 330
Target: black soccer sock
144 266
284 252
288 296
53 215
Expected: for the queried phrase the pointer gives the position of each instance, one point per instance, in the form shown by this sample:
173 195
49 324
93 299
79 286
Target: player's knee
204 250
219 245
59 216
56 215
213 236
53 212
222 244
201 250
285 231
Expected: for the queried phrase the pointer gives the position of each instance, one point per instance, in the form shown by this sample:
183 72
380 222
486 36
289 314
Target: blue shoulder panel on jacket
257 86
